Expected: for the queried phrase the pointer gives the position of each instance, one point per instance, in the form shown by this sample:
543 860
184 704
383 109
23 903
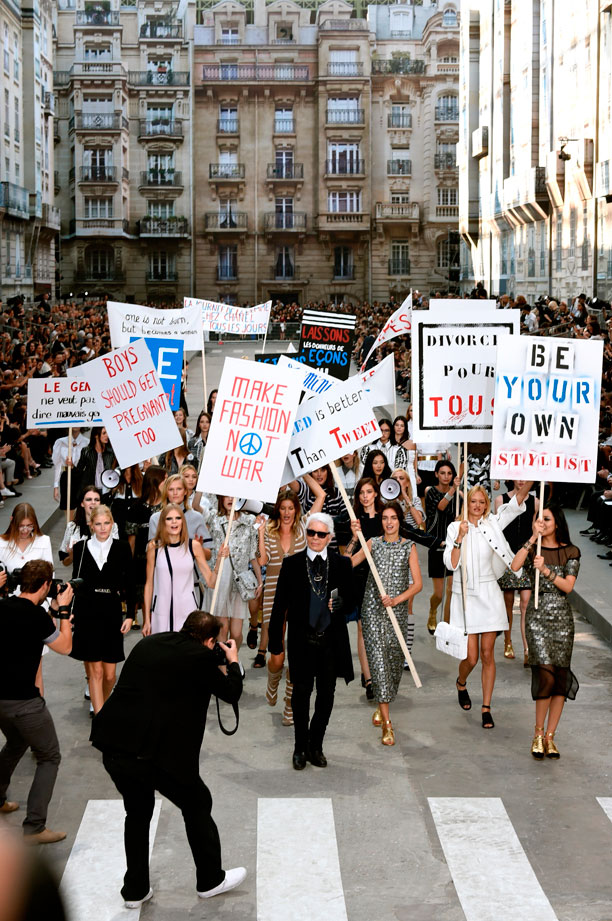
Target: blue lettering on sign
250 443
167 355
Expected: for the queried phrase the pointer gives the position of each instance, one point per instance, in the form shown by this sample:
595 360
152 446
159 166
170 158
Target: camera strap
228 732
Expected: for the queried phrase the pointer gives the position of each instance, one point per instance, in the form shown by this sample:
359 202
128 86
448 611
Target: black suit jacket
292 603
158 708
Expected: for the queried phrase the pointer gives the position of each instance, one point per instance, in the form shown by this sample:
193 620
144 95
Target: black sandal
252 636
260 659
464 698
487 719
369 689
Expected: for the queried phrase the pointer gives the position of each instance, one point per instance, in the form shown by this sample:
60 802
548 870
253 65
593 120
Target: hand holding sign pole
222 558
536 596
465 518
69 477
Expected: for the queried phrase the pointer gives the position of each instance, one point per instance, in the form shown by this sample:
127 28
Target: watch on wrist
63 612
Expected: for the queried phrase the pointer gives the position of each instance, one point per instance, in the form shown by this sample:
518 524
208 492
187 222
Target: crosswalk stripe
492 875
606 804
298 871
94 872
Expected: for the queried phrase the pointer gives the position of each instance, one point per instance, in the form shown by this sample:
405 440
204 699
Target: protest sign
225 318
456 305
314 382
131 320
60 401
167 355
326 341
331 425
267 358
132 403
546 423
379 382
398 324
453 371
249 435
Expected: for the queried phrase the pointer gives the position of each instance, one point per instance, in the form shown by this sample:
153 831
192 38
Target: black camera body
219 654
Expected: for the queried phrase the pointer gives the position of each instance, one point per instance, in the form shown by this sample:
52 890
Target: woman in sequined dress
398 565
550 627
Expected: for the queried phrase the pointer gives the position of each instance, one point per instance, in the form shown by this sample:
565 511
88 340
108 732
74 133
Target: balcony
161 177
97 18
284 126
226 171
399 167
86 69
219 222
344 220
265 73
345 117
229 40
526 194
447 211
294 221
348 168
61 77
158 77
98 121
161 127
98 174
227 125
161 29
402 66
345 69
51 217
100 226
399 267
56 181
445 68
163 227
399 120
284 273
15 200
48 103
285 171
446 114
344 25
391 213
162 276
445 161
401 34
480 142
36 204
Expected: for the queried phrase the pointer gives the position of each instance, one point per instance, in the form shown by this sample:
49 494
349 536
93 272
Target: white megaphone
255 506
390 489
110 478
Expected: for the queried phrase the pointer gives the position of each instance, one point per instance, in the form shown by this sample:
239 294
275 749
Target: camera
58 586
219 654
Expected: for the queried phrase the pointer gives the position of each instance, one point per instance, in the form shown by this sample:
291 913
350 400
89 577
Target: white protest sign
249 436
546 422
128 320
398 324
331 425
313 381
456 304
379 382
224 318
132 403
453 371
60 401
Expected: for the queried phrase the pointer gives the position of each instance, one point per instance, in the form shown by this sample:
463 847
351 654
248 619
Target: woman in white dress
487 553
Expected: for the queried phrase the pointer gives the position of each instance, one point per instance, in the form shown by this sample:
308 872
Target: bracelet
457 544
551 576
527 545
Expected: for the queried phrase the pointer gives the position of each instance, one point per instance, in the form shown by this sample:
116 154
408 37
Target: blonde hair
161 536
99 510
175 477
405 472
472 492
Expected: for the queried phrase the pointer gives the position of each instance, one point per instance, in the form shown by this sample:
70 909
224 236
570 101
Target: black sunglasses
312 533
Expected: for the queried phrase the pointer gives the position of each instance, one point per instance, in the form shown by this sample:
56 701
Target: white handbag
451 640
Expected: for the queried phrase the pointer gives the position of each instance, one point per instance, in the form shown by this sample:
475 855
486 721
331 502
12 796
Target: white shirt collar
312 553
100 550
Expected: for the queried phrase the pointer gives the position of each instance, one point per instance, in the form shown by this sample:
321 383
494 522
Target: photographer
24 718
150 731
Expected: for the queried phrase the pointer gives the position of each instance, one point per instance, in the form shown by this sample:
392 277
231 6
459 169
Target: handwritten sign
225 318
126 321
132 402
267 358
398 324
60 401
326 341
313 382
546 423
167 355
249 435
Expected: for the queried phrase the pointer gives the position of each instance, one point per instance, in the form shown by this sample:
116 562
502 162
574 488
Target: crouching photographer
150 732
25 627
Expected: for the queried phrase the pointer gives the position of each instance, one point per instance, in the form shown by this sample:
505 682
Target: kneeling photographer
150 732
24 719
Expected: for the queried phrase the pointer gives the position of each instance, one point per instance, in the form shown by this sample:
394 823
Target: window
227 214
16 109
284 33
344 110
559 242
503 254
400 198
447 202
98 53
446 155
283 121
7 113
7 253
543 250
100 262
98 208
18 255
572 234
399 263
584 253
343 262
284 265
159 119
95 104
15 56
227 263
401 23
449 18
230 36
283 163
400 163
344 202
343 159
447 108
97 164
400 116
228 119
283 209
531 252
7 63
161 266
343 63
160 169
162 209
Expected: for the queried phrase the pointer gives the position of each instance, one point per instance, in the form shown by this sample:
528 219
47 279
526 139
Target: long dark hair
367 467
80 518
562 534
406 437
445 463
358 507
151 484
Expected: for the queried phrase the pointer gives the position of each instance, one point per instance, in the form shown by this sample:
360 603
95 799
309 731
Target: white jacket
491 528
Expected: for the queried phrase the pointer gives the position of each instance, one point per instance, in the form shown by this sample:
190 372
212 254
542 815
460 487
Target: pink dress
173 596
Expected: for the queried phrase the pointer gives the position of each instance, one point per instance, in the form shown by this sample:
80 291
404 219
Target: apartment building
123 133
534 153
29 222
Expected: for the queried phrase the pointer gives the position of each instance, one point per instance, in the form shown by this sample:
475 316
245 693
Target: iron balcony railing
402 66
161 126
285 221
98 174
341 168
285 171
158 77
163 226
447 114
445 160
97 18
399 120
98 121
226 170
161 30
235 220
399 167
161 177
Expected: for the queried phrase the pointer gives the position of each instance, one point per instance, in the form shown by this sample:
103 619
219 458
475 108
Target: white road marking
606 804
93 876
298 871
492 875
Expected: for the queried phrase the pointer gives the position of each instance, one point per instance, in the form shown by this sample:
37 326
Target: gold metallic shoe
388 736
509 651
377 717
537 746
549 746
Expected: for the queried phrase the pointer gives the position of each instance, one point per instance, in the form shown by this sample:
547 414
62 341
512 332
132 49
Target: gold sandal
377 717
509 650
549 746
537 746
388 736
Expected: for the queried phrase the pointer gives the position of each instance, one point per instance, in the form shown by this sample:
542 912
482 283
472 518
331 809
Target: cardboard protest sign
398 324
126 321
249 435
326 341
453 371
225 318
379 382
546 423
60 401
331 425
132 402
267 358
167 355
314 382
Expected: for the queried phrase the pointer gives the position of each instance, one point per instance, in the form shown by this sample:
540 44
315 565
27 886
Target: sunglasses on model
312 533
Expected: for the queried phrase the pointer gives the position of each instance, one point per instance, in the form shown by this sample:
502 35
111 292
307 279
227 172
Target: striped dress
276 555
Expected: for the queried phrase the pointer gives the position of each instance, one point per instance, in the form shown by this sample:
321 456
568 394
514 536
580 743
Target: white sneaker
136 903
232 879
7 493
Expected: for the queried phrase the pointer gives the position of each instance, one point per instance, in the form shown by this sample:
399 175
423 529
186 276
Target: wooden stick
539 547
203 371
465 514
458 470
69 475
222 559
377 579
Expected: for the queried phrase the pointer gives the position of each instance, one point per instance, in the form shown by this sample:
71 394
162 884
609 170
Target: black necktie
317 564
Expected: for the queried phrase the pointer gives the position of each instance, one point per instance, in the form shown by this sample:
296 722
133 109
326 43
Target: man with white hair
314 589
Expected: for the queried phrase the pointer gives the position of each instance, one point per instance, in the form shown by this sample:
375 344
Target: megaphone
390 489
110 478
255 506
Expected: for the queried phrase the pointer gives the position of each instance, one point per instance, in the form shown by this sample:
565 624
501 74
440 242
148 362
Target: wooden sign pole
465 518
69 476
203 371
539 547
222 560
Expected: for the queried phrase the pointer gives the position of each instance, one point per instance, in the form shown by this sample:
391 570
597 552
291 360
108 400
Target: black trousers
137 780
316 665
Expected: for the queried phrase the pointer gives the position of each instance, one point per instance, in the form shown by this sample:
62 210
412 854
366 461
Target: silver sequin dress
384 653
550 629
